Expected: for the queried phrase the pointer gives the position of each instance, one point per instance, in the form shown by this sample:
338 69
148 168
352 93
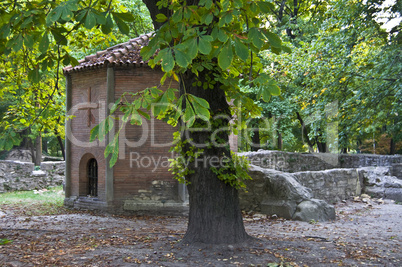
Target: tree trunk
279 140
305 132
322 147
32 149
392 149
38 150
215 216
256 140
44 146
61 147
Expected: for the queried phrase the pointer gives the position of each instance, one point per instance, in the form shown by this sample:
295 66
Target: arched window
92 178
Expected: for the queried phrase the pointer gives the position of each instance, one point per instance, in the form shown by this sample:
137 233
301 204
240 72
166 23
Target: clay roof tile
124 53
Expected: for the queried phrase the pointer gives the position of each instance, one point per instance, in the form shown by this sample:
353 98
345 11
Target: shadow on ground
361 235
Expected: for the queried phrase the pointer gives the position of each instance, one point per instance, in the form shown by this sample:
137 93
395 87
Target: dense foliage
37 40
342 59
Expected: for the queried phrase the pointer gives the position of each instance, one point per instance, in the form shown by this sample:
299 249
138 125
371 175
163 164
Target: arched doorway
92 174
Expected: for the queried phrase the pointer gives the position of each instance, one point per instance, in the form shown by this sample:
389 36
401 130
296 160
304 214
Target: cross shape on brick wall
89 106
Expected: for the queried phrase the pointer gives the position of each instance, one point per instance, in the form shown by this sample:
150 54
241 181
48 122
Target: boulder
278 193
396 170
314 209
378 183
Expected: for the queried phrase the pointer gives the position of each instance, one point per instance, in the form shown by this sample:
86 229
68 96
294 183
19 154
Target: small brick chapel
140 180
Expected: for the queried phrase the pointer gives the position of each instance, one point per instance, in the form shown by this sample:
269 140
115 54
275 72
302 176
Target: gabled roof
122 54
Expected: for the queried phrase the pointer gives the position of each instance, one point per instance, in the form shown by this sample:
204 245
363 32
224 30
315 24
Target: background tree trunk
392 149
61 144
38 150
215 216
256 144
279 140
44 146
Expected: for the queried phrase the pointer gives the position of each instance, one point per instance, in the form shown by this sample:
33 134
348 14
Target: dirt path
361 235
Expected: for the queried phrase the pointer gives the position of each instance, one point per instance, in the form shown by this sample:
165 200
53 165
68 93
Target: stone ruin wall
300 162
330 177
21 176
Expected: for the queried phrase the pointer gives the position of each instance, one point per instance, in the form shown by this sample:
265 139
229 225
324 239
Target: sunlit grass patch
33 203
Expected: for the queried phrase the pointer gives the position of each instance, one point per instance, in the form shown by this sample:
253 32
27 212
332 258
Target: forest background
340 79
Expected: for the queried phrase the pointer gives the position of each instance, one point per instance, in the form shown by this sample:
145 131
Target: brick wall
81 150
142 171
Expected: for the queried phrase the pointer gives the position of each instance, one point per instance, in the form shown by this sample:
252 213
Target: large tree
209 47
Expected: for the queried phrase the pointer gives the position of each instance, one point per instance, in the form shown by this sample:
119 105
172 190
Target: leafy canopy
223 38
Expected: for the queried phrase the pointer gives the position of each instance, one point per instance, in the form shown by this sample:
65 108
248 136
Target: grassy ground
34 203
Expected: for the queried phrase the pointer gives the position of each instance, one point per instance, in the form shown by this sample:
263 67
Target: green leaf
273 39
286 49
100 17
161 17
113 148
256 37
207 18
266 7
104 127
191 47
135 118
208 4
189 116
200 109
241 50
161 106
171 94
204 103
94 133
204 45
177 15
144 114
126 16
28 41
26 23
155 91
44 65
266 95
225 57
123 27
16 43
34 75
147 52
54 15
108 26
73 60
182 59
225 19
90 20
5 30
59 37
274 89
222 36
276 50
167 61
